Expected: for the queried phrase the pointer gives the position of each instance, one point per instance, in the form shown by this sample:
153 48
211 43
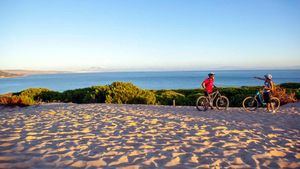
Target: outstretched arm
259 78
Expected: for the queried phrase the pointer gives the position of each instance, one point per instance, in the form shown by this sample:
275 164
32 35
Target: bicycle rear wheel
202 103
250 104
222 103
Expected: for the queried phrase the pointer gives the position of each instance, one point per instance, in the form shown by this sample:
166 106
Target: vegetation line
127 93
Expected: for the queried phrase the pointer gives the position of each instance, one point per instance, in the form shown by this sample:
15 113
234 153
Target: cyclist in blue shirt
268 88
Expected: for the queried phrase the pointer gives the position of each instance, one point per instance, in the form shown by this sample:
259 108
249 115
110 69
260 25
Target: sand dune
140 136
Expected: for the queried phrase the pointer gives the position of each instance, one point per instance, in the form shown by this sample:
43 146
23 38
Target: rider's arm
203 84
259 78
271 86
267 88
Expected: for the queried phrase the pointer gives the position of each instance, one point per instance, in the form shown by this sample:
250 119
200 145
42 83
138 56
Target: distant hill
31 72
17 73
7 74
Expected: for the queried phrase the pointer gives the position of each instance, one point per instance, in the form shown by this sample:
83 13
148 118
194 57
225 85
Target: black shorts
206 93
267 97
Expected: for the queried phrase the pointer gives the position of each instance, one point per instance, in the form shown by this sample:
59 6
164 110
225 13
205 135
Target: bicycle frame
260 98
214 95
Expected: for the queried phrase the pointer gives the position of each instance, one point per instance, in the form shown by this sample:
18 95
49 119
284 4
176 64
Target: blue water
146 80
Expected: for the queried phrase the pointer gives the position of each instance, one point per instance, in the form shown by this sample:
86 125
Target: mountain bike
204 102
251 103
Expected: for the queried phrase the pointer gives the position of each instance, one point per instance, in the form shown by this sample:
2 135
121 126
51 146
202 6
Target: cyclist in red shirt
208 85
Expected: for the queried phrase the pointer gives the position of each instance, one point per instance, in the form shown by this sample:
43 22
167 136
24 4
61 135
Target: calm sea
146 80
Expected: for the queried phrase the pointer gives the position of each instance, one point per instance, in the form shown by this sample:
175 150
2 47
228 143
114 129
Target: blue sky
149 34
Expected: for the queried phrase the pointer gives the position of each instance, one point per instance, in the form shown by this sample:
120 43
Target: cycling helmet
211 73
268 76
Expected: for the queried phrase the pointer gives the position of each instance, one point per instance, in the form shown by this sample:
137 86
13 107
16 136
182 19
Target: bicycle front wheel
250 104
222 103
202 103
275 103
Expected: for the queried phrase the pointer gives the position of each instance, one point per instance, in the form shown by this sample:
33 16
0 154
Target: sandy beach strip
141 136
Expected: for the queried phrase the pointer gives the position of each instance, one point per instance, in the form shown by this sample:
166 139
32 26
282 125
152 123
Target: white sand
140 136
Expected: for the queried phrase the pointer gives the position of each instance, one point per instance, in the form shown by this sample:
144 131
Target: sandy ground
140 136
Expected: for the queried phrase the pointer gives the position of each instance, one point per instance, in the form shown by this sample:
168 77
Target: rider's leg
269 107
267 99
272 107
208 95
210 101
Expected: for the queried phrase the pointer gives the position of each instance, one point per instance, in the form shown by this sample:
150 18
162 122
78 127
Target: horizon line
166 70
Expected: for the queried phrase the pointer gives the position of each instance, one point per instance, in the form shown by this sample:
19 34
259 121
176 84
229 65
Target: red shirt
209 85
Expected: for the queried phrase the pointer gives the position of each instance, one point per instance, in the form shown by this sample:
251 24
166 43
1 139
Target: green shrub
191 99
94 94
26 101
127 93
237 95
117 92
33 93
290 85
121 92
144 97
297 92
16 101
188 92
83 95
50 96
41 94
167 97
99 93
